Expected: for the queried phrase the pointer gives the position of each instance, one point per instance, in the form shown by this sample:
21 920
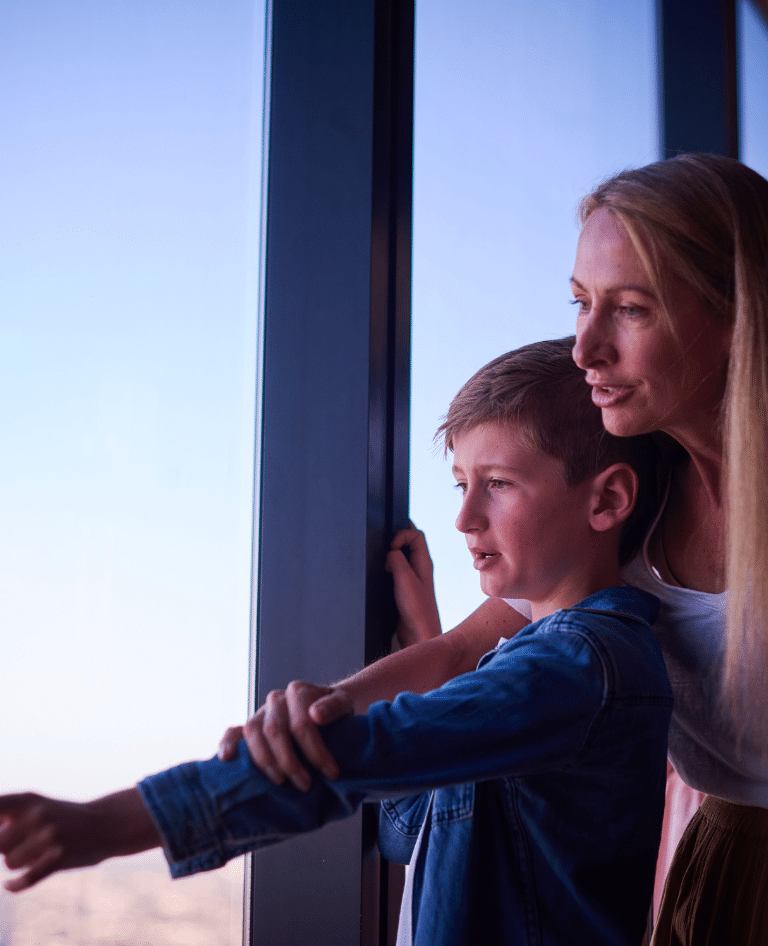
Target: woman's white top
704 746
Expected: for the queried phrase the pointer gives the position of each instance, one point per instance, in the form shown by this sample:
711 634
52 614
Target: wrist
123 823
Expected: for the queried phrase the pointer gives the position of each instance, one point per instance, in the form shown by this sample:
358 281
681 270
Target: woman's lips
609 395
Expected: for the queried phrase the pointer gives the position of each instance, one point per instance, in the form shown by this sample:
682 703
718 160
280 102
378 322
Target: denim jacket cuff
191 814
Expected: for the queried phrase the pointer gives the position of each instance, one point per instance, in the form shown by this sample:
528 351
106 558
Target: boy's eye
460 486
498 484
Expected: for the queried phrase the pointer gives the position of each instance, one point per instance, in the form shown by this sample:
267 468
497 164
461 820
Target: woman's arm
427 665
296 712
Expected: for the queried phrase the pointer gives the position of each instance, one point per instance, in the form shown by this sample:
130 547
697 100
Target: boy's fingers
397 564
11 805
418 559
405 537
31 847
24 820
28 839
421 560
45 865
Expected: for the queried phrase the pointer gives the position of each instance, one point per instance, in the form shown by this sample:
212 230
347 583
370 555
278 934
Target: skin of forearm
126 822
39 835
429 664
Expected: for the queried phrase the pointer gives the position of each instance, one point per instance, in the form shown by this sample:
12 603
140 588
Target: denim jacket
549 762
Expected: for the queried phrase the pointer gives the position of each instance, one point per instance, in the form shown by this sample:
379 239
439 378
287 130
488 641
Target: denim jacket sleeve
528 709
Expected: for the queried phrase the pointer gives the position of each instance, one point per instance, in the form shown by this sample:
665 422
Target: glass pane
520 108
129 274
753 86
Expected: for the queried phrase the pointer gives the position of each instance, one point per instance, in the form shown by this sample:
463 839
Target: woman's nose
593 346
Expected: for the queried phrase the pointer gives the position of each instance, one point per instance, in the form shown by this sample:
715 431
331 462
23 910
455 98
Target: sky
128 325
517 115
129 286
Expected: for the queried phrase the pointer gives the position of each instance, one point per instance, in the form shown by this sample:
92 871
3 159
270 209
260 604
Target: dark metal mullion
698 76
390 303
390 386
335 392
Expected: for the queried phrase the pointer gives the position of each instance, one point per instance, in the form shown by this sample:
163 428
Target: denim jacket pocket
400 820
453 804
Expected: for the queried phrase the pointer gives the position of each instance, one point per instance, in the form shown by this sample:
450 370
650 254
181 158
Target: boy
548 762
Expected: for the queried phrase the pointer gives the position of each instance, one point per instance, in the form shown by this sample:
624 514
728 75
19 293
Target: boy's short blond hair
540 388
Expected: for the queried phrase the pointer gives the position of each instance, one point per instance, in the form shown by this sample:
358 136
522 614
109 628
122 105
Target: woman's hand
40 836
414 588
289 715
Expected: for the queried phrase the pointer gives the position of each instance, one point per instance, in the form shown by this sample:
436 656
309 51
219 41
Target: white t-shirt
703 746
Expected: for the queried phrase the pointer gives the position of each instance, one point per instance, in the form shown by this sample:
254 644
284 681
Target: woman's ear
614 495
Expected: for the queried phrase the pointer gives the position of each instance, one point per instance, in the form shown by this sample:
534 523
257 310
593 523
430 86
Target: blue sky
129 283
129 288
518 114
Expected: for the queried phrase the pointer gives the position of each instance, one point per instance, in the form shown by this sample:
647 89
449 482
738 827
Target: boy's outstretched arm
295 714
40 836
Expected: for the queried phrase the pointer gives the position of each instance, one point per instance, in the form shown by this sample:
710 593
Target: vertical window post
697 66
334 456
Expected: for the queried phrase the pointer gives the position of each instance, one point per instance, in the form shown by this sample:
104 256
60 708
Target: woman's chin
623 423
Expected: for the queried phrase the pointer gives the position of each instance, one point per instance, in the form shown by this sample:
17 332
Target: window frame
333 472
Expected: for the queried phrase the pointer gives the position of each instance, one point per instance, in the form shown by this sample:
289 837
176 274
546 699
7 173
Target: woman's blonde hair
704 218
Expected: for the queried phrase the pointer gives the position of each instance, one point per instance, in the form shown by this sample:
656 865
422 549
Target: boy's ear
614 495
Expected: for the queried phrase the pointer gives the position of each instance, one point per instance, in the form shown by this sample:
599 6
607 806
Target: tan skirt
717 888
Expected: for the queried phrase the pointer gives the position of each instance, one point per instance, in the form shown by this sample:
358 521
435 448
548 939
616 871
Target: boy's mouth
482 559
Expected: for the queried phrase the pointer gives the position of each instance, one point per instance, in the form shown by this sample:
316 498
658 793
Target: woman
672 331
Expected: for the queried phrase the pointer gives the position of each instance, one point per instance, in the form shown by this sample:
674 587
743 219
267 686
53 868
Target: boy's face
527 530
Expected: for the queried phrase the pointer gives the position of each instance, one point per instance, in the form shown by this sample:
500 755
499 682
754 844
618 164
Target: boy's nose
469 518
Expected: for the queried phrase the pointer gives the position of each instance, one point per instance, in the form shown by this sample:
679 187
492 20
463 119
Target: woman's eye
632 311
498 484
462 487
583 305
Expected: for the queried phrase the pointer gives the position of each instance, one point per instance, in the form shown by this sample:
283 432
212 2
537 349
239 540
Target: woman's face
642 378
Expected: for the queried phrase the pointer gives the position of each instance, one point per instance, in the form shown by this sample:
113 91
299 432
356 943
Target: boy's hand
287 715
414 588
41 835
294 714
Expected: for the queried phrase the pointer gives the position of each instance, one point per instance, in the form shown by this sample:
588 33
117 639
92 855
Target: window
130 218
130 260
519 110
753 85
